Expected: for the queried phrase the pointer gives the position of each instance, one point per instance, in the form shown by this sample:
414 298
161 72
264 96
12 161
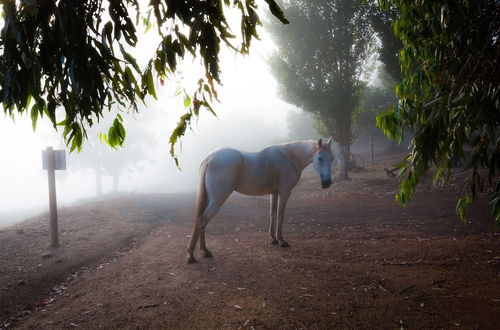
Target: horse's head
322 161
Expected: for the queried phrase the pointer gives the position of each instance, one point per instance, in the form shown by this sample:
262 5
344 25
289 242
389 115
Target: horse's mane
301 141
295 155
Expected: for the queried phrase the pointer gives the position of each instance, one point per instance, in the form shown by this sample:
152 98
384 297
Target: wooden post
371 151
54 233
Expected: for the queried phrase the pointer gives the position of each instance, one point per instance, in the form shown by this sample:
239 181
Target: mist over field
249 117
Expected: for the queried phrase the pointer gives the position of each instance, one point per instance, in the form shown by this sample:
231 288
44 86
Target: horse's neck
300 153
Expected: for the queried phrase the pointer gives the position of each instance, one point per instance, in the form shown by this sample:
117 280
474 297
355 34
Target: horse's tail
201 196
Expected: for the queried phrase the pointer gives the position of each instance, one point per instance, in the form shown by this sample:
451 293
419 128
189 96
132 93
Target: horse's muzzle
326 184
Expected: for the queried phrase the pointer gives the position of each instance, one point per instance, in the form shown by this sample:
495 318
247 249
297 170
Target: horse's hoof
190 260
273 241
207 254
284 244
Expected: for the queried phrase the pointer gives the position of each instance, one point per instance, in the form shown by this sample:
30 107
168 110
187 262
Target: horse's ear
329 142
320 142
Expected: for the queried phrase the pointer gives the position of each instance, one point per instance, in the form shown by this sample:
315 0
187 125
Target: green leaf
28 101
120 132
150 84
463 206
34 115
187 101
276 10
103 138
112 137
106 34
76 135
129 58
177 133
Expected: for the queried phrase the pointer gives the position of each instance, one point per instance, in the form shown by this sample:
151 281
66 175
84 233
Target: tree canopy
449 97
381 22
78 55
375 98
321 61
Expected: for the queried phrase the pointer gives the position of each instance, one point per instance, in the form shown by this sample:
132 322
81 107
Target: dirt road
357 261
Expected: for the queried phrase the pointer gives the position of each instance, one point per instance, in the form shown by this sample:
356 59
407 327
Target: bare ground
357 260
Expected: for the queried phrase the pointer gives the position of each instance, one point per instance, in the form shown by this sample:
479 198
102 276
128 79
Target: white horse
275 170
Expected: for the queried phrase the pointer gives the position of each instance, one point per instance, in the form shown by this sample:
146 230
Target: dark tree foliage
381 22
449 97
320 61
78 55
375 99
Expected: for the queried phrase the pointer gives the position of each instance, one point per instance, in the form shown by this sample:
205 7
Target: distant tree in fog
374 99
322 61
300 126
90 159
103 160
78 56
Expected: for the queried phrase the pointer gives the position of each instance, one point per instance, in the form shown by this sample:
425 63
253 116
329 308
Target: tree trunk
98 180
116 181
343 161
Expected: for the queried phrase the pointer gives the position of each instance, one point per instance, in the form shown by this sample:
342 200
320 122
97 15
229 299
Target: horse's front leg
283 198
272 218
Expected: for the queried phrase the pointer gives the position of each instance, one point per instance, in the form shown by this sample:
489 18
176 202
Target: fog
249 116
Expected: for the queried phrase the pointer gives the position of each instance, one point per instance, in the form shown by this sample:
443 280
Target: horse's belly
256 185
255 191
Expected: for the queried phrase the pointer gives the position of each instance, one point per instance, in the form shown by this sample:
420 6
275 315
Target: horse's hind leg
192 242
199 232
216 198
206 253
283 198
272 218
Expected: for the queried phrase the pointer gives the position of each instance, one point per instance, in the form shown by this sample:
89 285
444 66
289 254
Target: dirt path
357 261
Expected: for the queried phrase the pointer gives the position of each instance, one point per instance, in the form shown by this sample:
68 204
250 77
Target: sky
249 116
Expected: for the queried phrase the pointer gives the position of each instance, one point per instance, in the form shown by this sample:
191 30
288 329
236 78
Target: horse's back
223 167
224 157
250 173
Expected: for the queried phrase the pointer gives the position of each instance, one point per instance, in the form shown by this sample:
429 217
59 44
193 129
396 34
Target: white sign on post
59 160
53 160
